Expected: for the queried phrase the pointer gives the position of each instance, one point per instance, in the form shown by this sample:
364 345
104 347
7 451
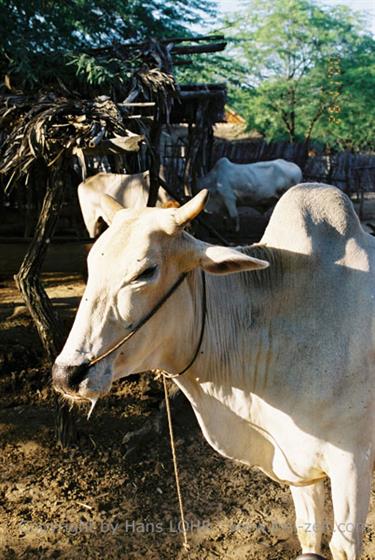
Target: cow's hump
312 215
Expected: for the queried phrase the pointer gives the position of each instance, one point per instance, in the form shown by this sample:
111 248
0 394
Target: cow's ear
224 260
109 207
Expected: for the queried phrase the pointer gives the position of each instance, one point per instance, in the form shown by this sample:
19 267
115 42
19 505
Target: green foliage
45 39
107 72
308 72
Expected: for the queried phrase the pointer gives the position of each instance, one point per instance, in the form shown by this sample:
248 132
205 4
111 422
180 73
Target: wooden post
154 163
28 276
36 299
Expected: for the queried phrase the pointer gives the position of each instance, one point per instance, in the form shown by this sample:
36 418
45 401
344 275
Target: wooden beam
143 104
193 39
201 94
146 44
204 86
198 49
123 51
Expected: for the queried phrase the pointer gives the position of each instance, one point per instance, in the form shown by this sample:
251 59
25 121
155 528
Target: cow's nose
68 378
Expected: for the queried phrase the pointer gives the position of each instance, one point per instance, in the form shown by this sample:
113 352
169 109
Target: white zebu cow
129 190
284 375
236 184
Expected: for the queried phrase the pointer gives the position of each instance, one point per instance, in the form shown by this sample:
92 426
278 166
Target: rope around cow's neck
200 340
150 314
165 375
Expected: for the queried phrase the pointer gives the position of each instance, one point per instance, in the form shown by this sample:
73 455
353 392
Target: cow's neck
237 344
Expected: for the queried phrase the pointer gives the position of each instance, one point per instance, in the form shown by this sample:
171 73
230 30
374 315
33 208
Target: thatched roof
49 126
46 127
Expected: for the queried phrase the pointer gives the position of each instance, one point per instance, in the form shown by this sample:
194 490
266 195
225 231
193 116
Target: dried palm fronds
49 127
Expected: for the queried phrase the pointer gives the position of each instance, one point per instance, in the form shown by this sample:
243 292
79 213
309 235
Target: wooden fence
353 173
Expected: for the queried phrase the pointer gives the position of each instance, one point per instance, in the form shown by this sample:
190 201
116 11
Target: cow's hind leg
309 506
351 487
230 202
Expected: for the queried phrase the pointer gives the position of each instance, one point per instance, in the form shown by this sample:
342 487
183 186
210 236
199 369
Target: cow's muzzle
67 379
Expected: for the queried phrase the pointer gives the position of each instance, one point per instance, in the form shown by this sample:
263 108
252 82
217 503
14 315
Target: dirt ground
112 498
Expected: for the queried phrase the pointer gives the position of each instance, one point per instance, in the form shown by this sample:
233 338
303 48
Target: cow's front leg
309 506
351 487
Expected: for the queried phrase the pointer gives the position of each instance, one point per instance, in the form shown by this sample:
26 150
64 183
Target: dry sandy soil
114 499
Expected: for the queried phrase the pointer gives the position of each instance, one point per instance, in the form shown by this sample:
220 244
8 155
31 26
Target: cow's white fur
130 190
285 376
235 184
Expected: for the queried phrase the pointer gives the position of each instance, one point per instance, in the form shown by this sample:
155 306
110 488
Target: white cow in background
283 376
129 190
236 184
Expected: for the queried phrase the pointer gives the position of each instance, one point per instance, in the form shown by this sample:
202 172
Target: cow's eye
146 274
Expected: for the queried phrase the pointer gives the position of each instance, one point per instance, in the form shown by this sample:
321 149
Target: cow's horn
110 207
191 209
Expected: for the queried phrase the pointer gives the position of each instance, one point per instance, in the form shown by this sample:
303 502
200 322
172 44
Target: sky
227 6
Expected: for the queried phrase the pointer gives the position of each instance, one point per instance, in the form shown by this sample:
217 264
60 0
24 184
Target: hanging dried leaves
49 127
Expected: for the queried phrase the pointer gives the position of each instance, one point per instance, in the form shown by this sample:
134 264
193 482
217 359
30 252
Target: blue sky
368 6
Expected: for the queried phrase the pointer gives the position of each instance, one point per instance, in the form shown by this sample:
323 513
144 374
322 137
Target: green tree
349 121
39 38
310 71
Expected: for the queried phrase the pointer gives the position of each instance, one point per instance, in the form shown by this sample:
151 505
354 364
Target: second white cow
236 184
131 191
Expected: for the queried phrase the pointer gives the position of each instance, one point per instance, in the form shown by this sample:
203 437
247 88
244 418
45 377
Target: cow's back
130 190
274 177
290 170
255 182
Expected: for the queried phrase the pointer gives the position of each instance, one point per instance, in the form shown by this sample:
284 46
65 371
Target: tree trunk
28 277
293 115
36 299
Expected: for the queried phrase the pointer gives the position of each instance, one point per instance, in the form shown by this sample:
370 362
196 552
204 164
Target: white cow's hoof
310 556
